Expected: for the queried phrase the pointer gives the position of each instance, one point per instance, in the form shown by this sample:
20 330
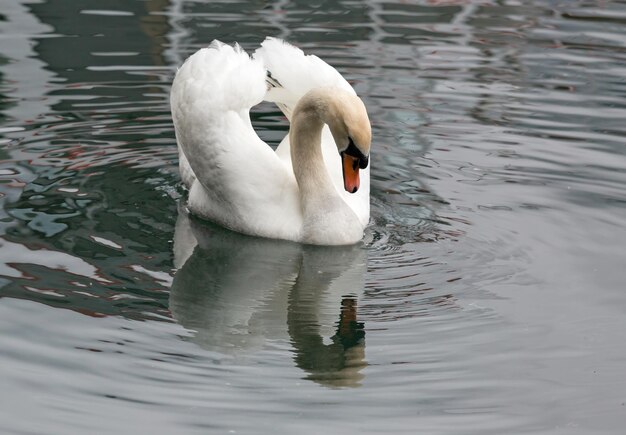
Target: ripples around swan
487 296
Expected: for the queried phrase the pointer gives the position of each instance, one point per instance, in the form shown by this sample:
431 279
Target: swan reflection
241 293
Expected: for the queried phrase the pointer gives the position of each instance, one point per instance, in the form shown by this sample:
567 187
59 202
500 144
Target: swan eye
363 162
354 151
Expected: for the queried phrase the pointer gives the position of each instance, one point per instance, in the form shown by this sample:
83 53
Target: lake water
487 298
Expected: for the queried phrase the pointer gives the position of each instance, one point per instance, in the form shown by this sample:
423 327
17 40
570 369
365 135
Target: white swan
310 190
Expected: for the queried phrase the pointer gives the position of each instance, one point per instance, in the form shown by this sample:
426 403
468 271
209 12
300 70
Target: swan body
310 190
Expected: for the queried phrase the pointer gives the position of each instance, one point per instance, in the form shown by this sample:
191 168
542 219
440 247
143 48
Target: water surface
488 294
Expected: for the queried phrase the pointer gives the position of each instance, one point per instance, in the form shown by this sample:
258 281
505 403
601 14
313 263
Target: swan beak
351 179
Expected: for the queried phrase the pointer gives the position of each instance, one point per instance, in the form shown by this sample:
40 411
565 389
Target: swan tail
291 74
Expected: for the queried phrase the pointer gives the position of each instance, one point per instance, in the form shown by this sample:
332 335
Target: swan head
346 116
350 126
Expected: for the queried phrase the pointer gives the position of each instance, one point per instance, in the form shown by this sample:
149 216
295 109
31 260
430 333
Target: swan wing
290 75
235 178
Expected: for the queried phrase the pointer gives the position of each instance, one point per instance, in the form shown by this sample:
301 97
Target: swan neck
307 159
327 218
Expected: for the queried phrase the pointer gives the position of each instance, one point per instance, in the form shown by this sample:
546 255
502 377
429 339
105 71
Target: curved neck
307 159
327 218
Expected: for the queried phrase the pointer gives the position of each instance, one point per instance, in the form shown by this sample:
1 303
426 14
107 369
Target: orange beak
351 179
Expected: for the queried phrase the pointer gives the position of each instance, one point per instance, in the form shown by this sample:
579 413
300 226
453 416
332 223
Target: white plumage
234 178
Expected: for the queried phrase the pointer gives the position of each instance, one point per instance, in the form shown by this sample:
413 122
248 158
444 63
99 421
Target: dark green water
488 297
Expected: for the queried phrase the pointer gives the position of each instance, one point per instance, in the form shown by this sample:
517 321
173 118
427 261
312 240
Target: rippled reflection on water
487 297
